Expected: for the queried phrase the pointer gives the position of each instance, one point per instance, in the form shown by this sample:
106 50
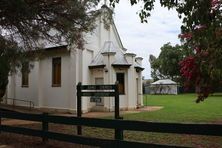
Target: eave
96 66
139 68
121 65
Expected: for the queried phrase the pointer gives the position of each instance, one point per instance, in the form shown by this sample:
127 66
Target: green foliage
144 12
4 76
167 64
8 57
25 23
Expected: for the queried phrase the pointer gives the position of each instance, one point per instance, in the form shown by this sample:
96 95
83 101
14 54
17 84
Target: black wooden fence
45 119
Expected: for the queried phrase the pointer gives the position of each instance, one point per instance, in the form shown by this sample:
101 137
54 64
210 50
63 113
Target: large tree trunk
4 71
3 86
2 92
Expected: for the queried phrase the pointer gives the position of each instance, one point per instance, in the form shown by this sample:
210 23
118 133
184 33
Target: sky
144 39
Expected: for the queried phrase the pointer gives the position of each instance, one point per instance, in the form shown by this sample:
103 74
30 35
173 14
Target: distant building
146 85
52 81
165 86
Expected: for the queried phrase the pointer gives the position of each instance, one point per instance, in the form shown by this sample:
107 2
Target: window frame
25 75
123 74
56 71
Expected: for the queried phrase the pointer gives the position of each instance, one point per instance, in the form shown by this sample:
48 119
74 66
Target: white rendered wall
86 76
73 79
95 42
29 93
96 39
55 97
140 89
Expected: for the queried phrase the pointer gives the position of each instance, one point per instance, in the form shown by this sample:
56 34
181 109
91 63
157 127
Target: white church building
51 83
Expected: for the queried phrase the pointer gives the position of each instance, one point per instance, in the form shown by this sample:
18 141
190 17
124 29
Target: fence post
79 107
118 132
116 101
45 127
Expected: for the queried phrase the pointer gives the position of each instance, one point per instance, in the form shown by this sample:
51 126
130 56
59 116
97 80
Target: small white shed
165 86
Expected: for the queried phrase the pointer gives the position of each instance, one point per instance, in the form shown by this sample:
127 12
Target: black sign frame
99 91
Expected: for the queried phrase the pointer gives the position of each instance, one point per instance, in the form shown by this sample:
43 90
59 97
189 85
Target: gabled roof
109 48
164 82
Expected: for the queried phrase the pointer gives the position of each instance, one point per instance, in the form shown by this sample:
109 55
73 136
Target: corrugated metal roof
98 60
164 81
108 47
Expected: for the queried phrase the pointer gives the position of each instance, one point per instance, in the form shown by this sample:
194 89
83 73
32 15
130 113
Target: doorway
100 100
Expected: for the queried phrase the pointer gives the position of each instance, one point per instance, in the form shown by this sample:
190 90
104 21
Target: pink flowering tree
202 33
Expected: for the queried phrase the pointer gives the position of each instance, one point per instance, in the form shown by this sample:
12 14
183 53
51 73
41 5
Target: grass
181 108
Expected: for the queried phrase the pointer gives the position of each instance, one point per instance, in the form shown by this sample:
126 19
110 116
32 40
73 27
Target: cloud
145 39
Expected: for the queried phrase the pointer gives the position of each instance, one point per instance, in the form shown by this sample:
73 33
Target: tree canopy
166 66
26 23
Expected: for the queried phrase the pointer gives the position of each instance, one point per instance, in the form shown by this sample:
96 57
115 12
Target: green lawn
181 108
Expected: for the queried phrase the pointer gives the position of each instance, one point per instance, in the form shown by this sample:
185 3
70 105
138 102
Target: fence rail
45 119
30 103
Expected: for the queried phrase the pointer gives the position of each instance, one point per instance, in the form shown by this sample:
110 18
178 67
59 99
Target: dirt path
17 122
5 146
105 114
89 114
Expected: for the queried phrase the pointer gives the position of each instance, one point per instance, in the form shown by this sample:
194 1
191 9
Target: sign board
98 87
98 94
95 92
96 99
